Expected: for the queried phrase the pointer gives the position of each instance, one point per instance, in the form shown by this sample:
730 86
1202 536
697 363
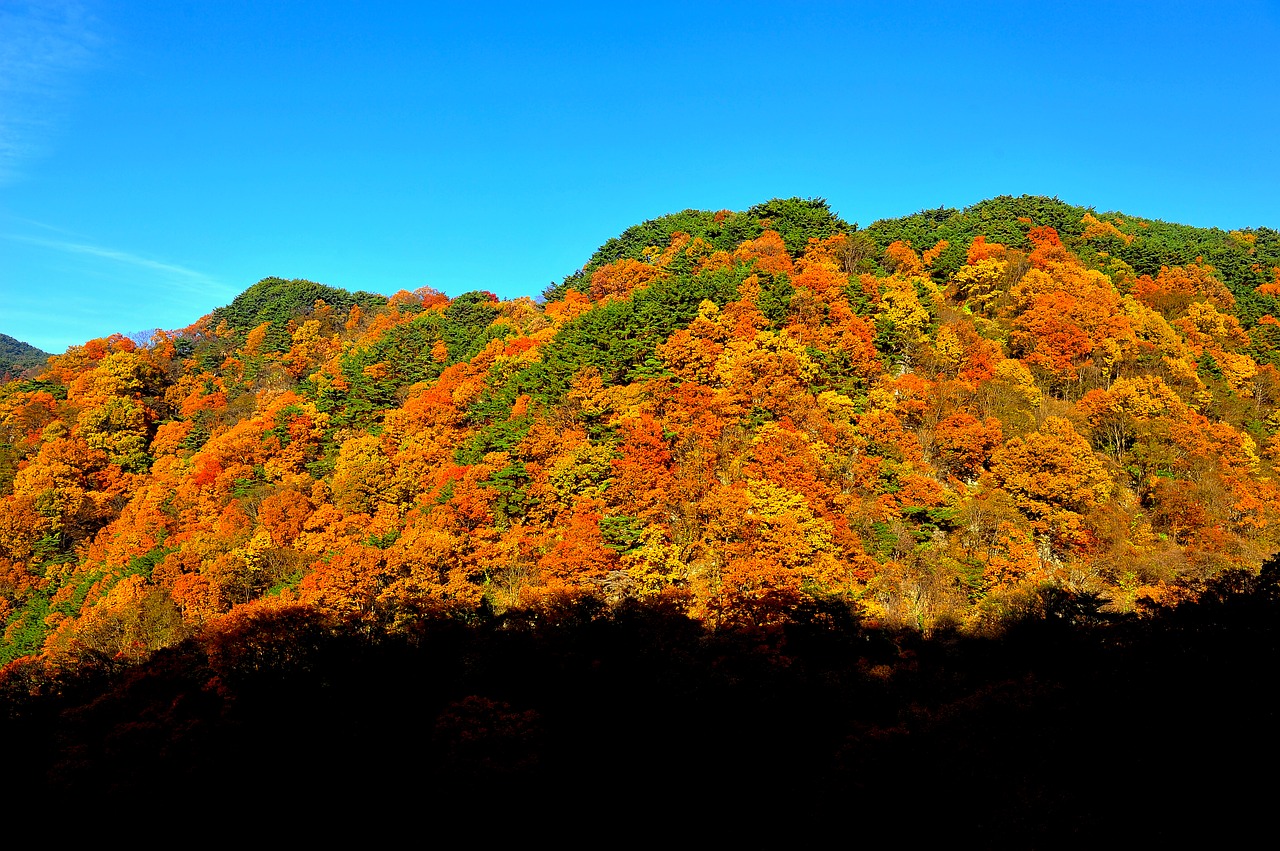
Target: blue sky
157 158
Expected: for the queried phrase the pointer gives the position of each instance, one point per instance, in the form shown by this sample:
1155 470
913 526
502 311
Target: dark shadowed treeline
1073 725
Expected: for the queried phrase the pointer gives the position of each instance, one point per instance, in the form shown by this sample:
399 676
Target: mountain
16 357
927 419
787 451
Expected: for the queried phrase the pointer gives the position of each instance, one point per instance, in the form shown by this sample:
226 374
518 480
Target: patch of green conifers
277 301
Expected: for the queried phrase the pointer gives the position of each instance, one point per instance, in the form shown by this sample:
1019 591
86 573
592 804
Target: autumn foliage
743 412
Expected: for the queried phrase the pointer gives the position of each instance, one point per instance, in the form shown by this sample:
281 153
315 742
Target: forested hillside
929 421
762 502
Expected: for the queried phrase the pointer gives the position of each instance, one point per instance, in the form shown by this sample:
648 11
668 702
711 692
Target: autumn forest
973 501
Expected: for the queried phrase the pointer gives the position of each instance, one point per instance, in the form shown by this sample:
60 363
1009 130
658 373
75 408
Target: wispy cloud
42 43
180 275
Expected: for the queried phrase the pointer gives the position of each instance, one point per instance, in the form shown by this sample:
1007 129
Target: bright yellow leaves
363 478
948 351
1205 327
979 284
118 374
309 349
769 371
900 304
119 428
785 528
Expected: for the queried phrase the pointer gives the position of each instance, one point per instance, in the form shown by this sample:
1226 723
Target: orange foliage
934 253
964 443
748 467
1174 288
622 278
901 258
642 478
768 252
980 250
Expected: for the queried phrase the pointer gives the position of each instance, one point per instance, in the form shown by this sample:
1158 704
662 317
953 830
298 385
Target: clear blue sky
156 158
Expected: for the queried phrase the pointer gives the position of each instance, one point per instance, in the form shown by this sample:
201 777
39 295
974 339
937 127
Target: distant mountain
16 357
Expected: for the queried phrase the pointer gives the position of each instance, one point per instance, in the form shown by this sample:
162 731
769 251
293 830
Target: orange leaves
1012 558
309 349
169 437
1272 287
902 259
283 515
579 553
964 355
620 279
1053 476
208 469
128 621
255 339
768 252
980 250
920 492
855 342
72 484
348 583
1051 337
642 477
20 527
820 273
1049 249
1175 288
1068 316
692 352
433 564
767 445
885 436
934 253
573 304
964 443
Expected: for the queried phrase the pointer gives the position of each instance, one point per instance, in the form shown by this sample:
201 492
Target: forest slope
929 421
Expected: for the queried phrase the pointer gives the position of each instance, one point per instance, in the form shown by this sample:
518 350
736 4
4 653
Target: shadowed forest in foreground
1073 724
